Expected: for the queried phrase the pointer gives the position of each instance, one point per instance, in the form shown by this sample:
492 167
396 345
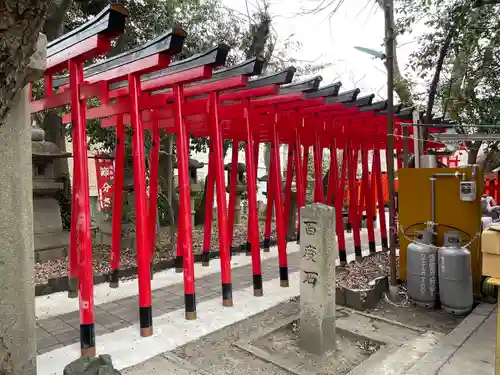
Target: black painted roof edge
170 41
398 111
308 85
377 106
343 97
405 114
110 21
283 77
329 90
250 67
214 57
361 102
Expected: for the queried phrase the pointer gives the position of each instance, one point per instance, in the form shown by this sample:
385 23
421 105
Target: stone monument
51 241
318 251
17 302
241 187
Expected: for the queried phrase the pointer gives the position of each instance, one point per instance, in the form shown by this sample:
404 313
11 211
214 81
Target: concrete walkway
116 311
467 350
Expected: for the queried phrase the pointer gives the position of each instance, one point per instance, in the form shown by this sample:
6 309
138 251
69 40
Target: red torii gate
69 52
200 103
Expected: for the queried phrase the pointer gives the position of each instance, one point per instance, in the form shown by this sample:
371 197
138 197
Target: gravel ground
353 276
358 275
101 253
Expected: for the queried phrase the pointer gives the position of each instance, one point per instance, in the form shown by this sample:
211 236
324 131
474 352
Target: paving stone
160 293
168 306
480 346
208 295
129 302
111 307
460 333
430 363
46 342
41 333
177 289
69 317
68 335
484 309
50 348
122 310
169 297
51 324
71 341
103 317
101 330
72 319
466 367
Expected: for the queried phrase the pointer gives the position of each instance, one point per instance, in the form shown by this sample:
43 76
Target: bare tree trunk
401 84
473 152
53 27
443 51
20 24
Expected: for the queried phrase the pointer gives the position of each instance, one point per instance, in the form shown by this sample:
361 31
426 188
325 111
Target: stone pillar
17 291
318 251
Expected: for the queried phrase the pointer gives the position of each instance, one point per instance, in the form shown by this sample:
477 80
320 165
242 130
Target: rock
101 365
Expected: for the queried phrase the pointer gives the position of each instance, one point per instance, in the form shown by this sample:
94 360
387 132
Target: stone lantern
51 241
195 186
241 187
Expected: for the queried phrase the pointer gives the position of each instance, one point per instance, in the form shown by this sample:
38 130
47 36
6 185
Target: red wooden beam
87 49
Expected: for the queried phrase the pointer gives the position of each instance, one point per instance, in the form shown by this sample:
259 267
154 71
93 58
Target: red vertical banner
105 173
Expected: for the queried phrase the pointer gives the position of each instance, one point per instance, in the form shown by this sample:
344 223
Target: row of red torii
141 88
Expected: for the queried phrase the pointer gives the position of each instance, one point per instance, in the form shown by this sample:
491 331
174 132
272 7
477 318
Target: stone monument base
366 344
50 246
280 346
127 236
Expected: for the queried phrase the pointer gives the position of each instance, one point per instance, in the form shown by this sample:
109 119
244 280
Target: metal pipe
405 147
433 205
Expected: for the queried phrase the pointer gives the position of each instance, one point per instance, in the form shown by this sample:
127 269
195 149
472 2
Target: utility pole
389 48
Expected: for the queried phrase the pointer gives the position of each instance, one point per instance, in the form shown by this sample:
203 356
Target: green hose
487 289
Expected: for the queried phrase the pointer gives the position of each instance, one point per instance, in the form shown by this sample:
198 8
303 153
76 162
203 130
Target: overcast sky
332 40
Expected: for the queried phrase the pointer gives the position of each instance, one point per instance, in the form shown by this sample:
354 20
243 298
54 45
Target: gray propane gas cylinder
421 266
455 276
